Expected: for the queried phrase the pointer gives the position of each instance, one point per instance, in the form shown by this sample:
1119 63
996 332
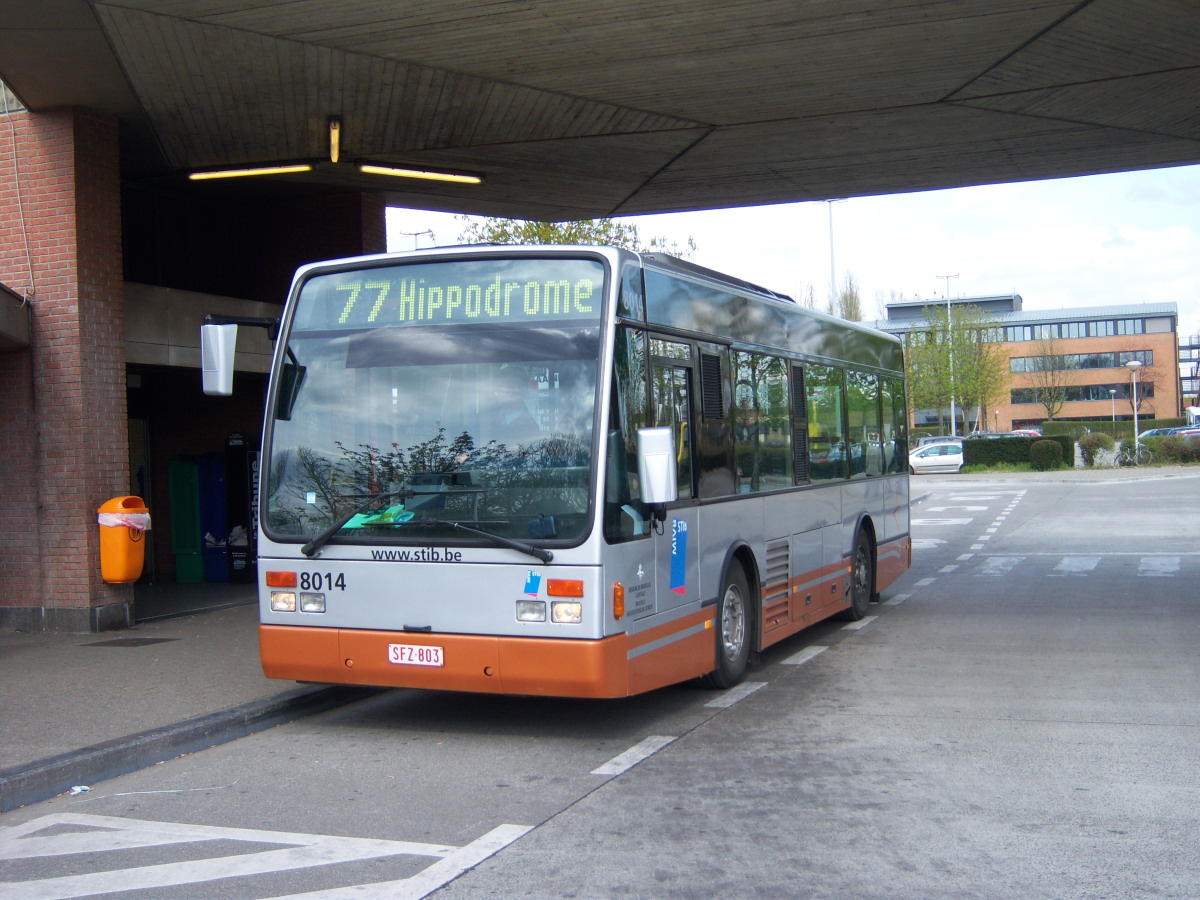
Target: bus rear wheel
862 580
733 631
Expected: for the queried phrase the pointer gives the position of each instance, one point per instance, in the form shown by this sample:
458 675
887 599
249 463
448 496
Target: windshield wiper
528 549
313 546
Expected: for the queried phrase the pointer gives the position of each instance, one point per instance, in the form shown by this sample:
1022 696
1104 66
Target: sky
1098 240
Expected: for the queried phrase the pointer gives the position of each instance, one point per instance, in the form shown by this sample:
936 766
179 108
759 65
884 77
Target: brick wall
65 425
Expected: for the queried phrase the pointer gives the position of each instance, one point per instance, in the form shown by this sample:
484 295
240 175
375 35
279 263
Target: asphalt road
1018 718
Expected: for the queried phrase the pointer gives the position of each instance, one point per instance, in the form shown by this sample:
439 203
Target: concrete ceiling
584 108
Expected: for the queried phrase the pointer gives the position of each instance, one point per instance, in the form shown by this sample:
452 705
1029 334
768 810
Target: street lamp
1112 395
832 269
1133 365
950 345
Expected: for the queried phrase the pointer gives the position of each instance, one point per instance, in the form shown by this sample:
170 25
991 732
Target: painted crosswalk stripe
998 566
1075 565
1158 566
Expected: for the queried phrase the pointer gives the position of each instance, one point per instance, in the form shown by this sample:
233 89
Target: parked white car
945 457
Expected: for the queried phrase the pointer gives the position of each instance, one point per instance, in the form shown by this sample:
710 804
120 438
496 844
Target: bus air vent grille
779 561
710 387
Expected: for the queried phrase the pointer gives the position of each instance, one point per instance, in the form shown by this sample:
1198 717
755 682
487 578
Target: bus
563 470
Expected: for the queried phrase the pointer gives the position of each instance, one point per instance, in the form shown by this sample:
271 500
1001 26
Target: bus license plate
414 655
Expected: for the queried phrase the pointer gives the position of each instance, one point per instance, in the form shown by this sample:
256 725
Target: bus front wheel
734 630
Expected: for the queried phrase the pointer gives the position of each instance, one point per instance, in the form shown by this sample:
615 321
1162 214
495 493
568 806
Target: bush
1174 448
1090 443
992 451
1044 455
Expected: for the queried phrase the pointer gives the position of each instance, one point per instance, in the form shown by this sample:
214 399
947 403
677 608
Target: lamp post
1133 365
832 269
950 346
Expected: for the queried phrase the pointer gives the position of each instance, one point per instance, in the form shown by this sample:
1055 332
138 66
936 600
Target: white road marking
927 543
897 600
1075 565
997 566
804 655
427 880
942 521
739 692
634 755
860 624
944 508
101 834
925 582
1158 566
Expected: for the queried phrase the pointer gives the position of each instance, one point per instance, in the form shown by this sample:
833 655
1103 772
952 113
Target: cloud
1102 240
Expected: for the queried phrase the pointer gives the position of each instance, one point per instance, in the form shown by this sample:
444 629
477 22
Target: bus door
677 548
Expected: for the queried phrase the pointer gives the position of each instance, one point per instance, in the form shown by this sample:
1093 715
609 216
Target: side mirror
217 346
656 468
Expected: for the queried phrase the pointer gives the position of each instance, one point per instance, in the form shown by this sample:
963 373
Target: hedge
1122 429
1013 450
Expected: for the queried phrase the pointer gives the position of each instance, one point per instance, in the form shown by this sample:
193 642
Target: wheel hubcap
862 573
733 622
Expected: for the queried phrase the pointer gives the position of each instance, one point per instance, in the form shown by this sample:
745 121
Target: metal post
950 346
1133 365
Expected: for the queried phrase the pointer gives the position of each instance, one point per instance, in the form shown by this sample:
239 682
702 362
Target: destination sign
453 292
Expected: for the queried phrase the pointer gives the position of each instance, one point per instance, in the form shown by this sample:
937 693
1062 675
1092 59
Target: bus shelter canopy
572 109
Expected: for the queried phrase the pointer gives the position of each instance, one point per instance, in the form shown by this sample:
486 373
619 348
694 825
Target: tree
1150 377
847 304
1048 376
954 360
808 297
984 368
607 232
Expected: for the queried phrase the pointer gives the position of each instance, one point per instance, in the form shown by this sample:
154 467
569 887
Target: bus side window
625 516
672 409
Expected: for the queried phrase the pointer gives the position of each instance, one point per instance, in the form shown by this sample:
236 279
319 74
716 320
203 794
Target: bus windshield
463 391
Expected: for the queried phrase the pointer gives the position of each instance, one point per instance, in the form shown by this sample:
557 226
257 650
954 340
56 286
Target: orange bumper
612 667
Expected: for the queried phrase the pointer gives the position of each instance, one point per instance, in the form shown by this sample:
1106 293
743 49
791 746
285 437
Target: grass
978 469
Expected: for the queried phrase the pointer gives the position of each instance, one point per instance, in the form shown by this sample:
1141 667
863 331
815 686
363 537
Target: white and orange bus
572 471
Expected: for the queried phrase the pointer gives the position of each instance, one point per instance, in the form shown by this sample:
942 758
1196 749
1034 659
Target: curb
46 778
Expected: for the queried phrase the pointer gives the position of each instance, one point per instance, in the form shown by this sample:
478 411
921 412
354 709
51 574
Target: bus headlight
283 601
531 611
566 612
312 603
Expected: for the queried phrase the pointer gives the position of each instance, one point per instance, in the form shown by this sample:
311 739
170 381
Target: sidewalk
79 708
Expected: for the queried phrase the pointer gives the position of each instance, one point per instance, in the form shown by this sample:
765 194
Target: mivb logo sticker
679 543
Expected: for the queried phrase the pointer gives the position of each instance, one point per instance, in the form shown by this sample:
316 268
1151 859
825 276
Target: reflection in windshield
489 427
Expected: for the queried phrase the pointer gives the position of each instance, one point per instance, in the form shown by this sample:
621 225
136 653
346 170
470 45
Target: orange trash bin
124 522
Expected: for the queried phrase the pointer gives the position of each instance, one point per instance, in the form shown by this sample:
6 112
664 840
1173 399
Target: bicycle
1140 457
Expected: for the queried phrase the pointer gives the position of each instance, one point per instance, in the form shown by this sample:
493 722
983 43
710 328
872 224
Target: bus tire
733 631
862 579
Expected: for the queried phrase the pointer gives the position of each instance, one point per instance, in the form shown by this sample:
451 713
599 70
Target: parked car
1025 432
943 457
1185 430
937 439
1156 432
